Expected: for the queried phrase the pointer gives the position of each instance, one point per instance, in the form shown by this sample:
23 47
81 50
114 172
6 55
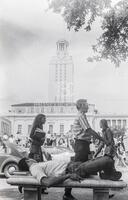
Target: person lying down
53 172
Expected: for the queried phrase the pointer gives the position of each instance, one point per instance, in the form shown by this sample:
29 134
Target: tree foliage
113 42
79 13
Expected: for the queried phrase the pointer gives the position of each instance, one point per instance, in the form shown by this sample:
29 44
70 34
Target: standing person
48 138
11 139
5 137
121 141
83 133
37 136
54 139
121 156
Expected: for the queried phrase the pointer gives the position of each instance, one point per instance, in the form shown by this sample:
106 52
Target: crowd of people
18 141
50 172
88 159
74 140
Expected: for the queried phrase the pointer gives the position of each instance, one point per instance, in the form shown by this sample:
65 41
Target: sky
28 36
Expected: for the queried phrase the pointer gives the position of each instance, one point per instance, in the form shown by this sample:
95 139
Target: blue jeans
104 163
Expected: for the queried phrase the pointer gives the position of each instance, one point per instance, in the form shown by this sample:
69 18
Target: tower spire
62 47
61 74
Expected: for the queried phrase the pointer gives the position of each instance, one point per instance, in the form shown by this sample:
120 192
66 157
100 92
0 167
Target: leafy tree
113 42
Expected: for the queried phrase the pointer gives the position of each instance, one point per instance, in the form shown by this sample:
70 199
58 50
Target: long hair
104 123
37 123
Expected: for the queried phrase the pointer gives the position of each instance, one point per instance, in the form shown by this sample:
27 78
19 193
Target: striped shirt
80 126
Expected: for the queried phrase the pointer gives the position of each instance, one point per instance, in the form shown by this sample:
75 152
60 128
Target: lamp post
94 118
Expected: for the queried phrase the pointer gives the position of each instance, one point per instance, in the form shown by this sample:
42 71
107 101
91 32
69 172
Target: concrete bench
32 187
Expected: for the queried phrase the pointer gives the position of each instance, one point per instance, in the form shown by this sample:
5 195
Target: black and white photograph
63 99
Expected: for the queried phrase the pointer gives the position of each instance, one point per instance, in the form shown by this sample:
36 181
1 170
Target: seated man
53 172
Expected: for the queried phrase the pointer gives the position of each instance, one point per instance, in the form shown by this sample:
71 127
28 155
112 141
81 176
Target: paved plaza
8 192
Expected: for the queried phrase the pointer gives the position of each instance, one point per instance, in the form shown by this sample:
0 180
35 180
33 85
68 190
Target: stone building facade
5 126
61 74
60 117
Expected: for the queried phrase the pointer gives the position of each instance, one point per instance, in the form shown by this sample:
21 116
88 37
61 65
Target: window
4 128
52 109
124 123
19 129
61 109
2 125
119 123
37 109
109 123
51 129
71 127
32 109
113 123
29 109
61 129
42 109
